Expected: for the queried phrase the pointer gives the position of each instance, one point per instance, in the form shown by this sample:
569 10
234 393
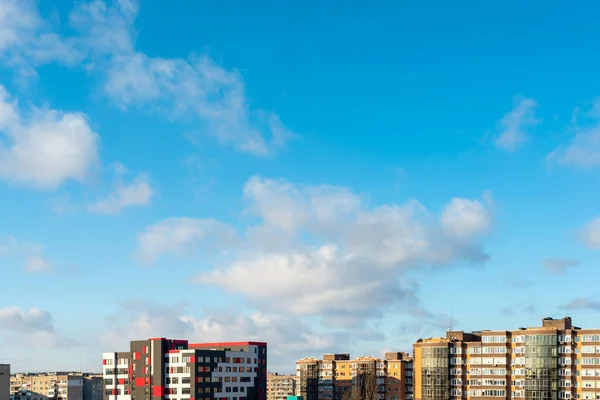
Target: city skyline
317 176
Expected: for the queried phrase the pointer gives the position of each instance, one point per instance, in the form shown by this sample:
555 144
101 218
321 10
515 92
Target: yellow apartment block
279 387
336 375
554 361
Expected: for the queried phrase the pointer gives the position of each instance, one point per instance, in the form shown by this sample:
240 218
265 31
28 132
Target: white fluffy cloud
513 127
590 234
32 254
287 336
32 327
45 147
359 253
27 40
464 218
138 192
195 86
181 236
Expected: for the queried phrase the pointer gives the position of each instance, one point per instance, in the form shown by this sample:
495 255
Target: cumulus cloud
194 87
27 40
32 327
590 234
138 192
558 266
514 126
464 218
287 336
180 236
296 233
32 254
45 147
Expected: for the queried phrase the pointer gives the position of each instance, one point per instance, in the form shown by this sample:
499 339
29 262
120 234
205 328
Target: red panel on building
121 381
103 362
114 392
193 359
136 355
158 391
140 382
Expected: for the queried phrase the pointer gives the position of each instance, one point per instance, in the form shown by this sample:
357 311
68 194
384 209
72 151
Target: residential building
280 387
338 377
45 386
554 361
93 387
4 382
159 368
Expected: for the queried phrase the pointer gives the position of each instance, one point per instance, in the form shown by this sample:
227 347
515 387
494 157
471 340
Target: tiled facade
554 361
59 386
279 387
336 375
4 382
159 369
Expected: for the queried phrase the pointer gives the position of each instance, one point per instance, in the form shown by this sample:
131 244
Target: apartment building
339 377
554 361
280 387
93 387
4 382
159 368
45 386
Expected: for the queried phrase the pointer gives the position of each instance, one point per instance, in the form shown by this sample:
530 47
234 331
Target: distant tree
365 386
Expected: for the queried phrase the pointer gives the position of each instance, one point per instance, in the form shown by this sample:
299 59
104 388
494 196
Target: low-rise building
46 386
280 387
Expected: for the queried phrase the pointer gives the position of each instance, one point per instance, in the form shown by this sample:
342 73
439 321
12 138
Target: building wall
554 361
4 382
93 386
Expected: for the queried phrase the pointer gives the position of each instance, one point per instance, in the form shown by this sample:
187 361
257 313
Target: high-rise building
156 369
280 387
338 377
47 386
554 361
4 382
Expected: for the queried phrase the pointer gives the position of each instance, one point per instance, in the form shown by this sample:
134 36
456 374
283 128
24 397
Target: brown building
47 386
336 376
554 361
279 387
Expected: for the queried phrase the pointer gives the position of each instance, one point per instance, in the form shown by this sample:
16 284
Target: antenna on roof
451 324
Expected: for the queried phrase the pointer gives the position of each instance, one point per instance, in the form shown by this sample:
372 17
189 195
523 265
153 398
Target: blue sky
325 176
